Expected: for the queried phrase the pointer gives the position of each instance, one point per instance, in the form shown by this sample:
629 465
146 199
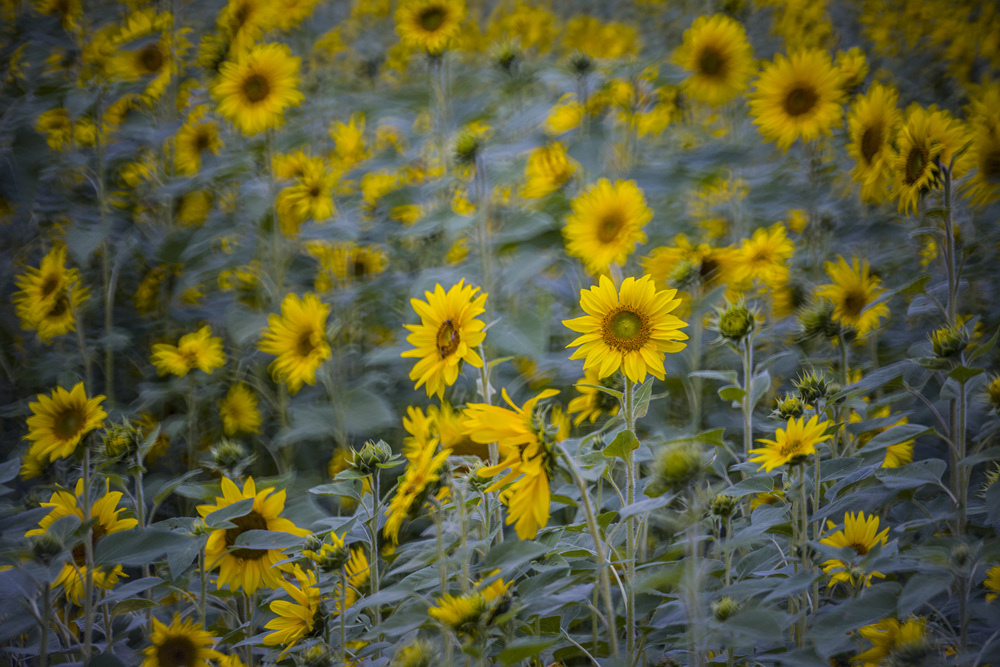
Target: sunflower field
499 332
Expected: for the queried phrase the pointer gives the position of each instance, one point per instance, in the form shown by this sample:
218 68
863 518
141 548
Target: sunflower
872 125
861 535
895 455
423 470
430 25
310 196
928 136
58 422
57 127
628 329
984 187
525 452
992 583
197 350
242 568
462 613
254 91
853 293
592 402
798 440
606 224
891 638
298 339
719 57
349 142
238 411
68 12
548 169
299 619
763 258
195 138
104 511
181 644
49 297
358 571
797 97
447 335
241 22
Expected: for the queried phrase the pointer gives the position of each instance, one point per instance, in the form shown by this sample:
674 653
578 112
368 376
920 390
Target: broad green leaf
138 546
980 350
918 286
343 488
910 476
512 554
963 374
642 397
729 377
220 517
761 383
643 506
749 486
993 502
523 648
623 443
732 394
894 436
172 485
920 589
266 539
135 604
9 469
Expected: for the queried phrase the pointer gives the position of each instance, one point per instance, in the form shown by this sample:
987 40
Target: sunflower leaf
220 517
623 443
642 397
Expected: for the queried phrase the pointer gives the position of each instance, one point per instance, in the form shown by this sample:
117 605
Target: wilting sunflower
423 470
606 224
629 329
890 638
447 335
197 350
861 535
254 91
853 293
296 620
592 402
430 24
49 297
525 452
195 138
797 440
763 258
797 98
183 642
58 422
298 339
927 136
238 411
872 125
247 569
104 511
548 169
716 52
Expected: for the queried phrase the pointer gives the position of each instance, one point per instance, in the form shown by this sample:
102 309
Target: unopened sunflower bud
199 528
119 440
229 458
949 342
506 58
420 653
45 547
685 274
817 321
724 608
813 387
788 407
723 506
960 555
581 64
317 655
735 322
467 147
677 464
367 459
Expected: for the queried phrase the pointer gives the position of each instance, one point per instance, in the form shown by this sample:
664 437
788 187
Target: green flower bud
813 387
230 458
677 464
724 608
120 440
817 321
723 506
949 342
367 459
735 322
420 653
993 393
581 64
467 147
788 407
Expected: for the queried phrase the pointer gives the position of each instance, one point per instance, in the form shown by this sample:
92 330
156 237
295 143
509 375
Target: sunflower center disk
305 344
151 58
251 521
625 331
711 63
49 286
256 88
176 652
609 227
871 142
800 100
447 339
990 167
432 19
860 549
855 302
916 162
202 141
79 551
69 423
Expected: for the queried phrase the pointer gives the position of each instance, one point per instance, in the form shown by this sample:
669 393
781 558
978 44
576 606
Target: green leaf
623 443
993 502
172 485
749 486
135 604
342 488
9 469
918 286
963 374
643 506
266 539
980 350
365 411
139 546
732 394
220 517
919 590
512 554
910 476
729 377
642 397
523 648
761 383
895 435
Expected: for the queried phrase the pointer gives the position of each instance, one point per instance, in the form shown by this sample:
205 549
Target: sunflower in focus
50 296
790 445
861 535
238 411
872 125
430 25
198 350
629 329
797 98
853 293
243 568
717 54
548 169
299 619
891 639
254 91
297 338
104 511
606 224
592 402
195 138
928 136
423 471
183 642
58 422
447 335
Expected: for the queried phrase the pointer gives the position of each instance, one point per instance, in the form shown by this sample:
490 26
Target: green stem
628 396
748 381
373 530
43 640
691 572
203 576
88 552
248 610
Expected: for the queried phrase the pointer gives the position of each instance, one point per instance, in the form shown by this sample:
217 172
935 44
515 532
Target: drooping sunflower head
792 444
60 421
873 123
797 98
929 136
629 329
254 91
181 644
716 52
197 350
431 25
606 224
298 339
592 402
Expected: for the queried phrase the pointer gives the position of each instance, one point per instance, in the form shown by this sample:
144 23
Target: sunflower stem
88 555
108 291
43 640
803 551
747 396
373 530
277 236
628 397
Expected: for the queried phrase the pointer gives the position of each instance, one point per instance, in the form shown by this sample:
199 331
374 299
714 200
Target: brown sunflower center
59 308
871 142
202 140
711 63
177 651
69 422
854 302
448 339
314 191
609 227
916 162
49 285
860 549
989 166
151 58
79 551
305 344
360 270
800 100
625 330
251 521
431 18
256 88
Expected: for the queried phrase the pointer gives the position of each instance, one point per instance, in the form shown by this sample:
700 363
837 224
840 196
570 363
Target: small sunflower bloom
548 169
198 350
861 535
793 443
431 25
238 411
992 583
183 642
254 91
297 338
298 619
853 293
592 402
905 642
606 224
719 58
60 421
630 329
